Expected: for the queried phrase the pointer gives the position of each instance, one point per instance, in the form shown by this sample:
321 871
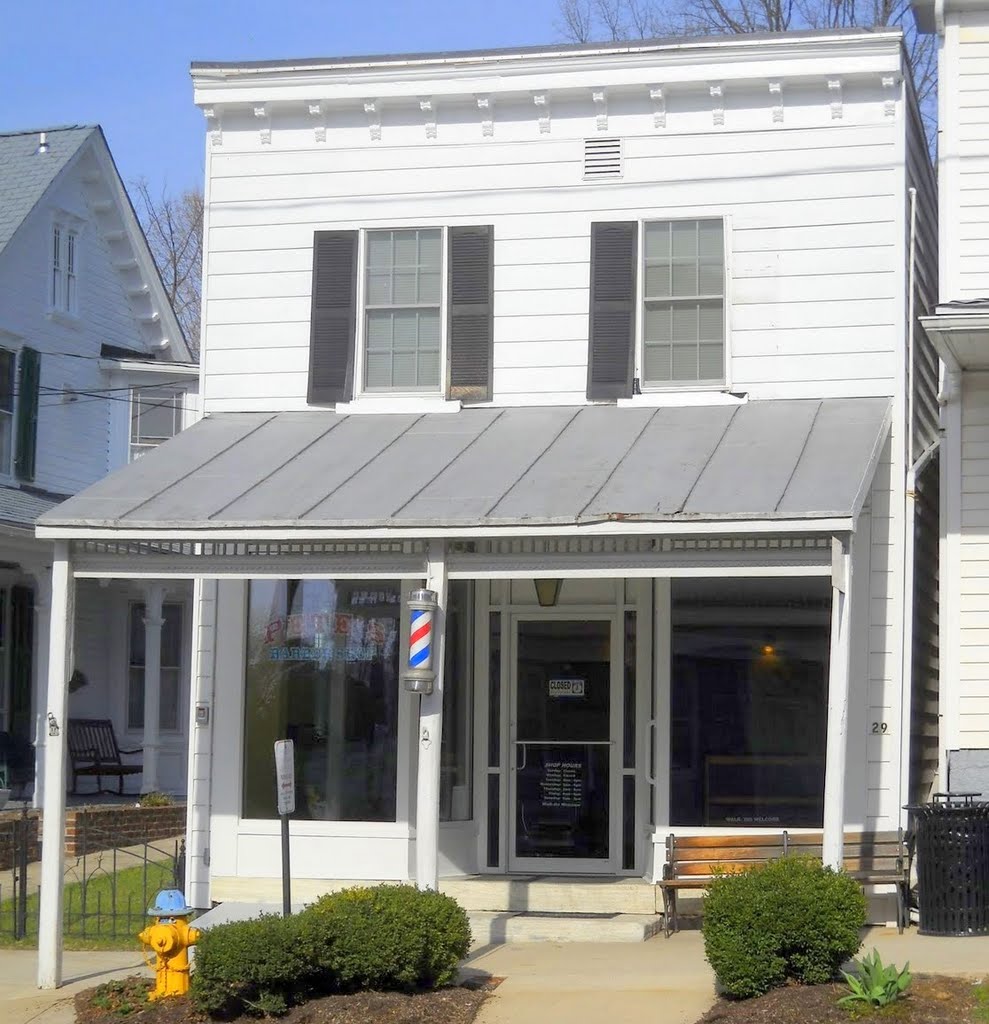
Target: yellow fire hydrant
170 937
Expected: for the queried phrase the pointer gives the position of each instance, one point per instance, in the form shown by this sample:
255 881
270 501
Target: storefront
601 681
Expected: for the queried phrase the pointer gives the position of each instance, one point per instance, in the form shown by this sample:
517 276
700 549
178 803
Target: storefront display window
748 715
323 670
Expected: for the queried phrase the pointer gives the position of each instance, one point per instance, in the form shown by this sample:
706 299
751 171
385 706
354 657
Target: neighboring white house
959 327
606 345
93 372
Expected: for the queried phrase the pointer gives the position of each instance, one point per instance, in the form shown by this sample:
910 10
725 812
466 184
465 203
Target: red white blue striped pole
419 675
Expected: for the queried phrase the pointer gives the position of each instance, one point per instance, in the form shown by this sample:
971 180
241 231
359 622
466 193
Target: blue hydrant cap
169 903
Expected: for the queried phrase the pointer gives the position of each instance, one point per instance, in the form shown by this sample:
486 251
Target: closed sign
567 687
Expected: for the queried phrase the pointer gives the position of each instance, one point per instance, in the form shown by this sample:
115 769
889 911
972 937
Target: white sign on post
285 775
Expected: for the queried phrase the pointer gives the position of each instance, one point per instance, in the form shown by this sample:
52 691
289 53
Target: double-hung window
170 665
156 416
63 294
683 316
402 310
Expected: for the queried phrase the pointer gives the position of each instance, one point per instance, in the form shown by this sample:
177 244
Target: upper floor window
683 316
156 415
64 293
402 310
402 303
8 362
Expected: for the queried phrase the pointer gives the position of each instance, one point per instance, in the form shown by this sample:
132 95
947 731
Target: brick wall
89 829
8 822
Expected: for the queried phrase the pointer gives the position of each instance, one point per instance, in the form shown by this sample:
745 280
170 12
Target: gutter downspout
914 467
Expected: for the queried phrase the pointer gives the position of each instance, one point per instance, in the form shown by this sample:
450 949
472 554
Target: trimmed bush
252 967
788 919
388 937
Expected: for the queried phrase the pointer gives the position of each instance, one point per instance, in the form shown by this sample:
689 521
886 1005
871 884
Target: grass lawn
106 912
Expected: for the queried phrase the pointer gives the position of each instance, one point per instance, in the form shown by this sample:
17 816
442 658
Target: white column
59 668
42 629
154 597
835 767
431 733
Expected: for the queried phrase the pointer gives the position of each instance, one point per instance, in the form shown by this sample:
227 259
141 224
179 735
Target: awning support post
431 732
839 670
59 669
154 599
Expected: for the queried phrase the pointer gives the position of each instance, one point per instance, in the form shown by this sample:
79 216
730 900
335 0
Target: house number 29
880 728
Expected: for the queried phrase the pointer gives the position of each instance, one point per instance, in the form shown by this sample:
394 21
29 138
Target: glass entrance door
563 725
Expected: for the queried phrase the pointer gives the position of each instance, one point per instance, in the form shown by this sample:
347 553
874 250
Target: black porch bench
93 751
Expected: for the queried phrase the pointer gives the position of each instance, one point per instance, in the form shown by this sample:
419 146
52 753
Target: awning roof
487 467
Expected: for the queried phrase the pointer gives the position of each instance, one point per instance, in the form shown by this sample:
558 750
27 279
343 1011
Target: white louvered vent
602 158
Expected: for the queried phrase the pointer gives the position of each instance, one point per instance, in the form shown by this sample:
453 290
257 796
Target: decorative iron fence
106 894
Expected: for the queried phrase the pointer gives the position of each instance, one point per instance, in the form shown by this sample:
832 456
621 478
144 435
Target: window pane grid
683 314
402 310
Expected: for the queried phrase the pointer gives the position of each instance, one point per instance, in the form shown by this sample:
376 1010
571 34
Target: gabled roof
25 174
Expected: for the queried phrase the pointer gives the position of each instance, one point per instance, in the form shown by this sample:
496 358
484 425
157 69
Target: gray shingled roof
25 174
22 508
497 467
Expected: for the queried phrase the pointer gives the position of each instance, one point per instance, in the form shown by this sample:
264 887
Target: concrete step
554 894
490 928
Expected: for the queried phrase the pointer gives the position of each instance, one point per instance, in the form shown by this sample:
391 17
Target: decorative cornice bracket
318 114
214 126
658 98
485 105
261 113
890 94
541 101
776 94
718 103
373 110
428 107
600 98
834 91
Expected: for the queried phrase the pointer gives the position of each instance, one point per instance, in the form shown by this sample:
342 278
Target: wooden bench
871 858
93 751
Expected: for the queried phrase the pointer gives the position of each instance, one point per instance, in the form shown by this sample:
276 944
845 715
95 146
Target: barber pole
419 675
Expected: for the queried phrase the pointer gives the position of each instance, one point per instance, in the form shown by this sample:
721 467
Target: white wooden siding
970 725
964 159
815 211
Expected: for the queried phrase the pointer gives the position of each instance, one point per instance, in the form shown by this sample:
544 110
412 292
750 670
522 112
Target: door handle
525 755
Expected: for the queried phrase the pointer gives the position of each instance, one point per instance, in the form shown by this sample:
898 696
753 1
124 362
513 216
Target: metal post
59 669
286 870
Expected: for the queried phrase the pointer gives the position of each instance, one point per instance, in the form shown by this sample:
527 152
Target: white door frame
570 865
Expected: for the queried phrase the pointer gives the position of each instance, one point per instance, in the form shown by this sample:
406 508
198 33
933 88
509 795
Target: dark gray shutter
28 386
334 316
470 333
612 317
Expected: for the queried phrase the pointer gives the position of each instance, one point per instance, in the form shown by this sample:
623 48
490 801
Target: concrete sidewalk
21 1001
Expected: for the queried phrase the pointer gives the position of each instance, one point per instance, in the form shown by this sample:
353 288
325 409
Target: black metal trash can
953 864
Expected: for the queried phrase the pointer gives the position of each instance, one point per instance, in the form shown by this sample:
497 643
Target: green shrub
257 967
788 919
155 799
387 937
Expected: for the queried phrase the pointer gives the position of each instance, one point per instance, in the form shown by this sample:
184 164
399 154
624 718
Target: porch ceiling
549 466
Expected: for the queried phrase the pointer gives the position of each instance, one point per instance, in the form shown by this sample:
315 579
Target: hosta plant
875 984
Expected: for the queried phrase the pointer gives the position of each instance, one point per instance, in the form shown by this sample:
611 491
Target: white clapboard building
94 371
959 328
613 348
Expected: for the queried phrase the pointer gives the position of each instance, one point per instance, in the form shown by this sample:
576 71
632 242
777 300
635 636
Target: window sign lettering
563 783
567 687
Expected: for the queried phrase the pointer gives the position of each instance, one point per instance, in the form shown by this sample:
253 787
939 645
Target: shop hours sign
567 687
562 784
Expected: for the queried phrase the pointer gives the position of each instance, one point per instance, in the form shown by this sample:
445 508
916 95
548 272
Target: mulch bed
126 1001
929 1000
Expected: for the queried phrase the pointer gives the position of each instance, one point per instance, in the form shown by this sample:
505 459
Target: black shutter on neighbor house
612 316
334 316
470 334
28 386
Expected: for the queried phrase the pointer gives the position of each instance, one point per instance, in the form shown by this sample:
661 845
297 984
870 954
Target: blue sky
125 63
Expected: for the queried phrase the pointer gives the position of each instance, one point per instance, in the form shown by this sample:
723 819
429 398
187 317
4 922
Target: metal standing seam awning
800 464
